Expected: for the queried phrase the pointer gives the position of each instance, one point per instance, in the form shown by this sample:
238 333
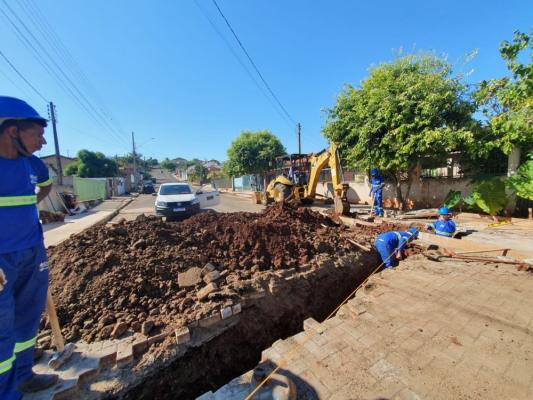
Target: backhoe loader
299 182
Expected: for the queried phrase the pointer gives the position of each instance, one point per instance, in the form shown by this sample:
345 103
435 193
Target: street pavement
144 204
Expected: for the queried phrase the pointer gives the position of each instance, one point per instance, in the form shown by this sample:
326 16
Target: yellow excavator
301 179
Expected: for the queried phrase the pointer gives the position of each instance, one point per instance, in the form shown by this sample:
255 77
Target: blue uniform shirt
444 228
394 240
19 220
377 183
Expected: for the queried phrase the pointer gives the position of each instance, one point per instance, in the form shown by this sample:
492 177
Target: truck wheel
282 191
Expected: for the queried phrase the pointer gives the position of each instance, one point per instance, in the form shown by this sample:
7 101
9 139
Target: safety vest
13 201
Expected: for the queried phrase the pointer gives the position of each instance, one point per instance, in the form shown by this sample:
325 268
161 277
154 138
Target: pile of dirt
145 274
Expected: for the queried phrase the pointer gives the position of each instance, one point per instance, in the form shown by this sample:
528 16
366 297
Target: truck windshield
175 189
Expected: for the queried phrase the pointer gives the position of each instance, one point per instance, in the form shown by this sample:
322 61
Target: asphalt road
144 204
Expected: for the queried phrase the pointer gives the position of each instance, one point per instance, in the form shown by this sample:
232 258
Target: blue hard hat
374 171
444 211
13 108
413 232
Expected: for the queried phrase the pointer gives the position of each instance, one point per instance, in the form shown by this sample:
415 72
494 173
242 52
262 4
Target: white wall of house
424 193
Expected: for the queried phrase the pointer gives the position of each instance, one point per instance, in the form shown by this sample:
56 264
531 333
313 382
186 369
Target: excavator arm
326 158
329 157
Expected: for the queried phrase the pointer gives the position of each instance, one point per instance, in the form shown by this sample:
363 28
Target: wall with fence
424 192
90 188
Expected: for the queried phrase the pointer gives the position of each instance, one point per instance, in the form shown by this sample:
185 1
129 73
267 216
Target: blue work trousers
22 302
387 252
378 202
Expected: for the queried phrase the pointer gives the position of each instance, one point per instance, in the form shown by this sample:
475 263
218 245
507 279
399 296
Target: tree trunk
412 173
398 185
513 162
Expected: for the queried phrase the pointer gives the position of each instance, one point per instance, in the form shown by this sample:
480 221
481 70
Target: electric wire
85 104
253 63
34 13
22 76
28 44
243 65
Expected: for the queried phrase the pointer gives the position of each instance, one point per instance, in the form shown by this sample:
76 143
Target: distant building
50 162
213 166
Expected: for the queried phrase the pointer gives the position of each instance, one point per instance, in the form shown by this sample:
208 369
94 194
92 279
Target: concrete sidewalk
246 194
425 330
56 232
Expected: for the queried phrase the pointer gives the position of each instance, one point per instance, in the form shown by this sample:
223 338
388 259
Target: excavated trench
148 277
239 348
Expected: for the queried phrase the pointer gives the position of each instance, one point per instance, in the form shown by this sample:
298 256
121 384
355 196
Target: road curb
113 214
239 194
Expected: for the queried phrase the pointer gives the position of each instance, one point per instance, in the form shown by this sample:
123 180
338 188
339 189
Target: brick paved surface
426 330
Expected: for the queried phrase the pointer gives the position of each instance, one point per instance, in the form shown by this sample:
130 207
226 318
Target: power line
39 19
243 65
22 76
43 49
85 104
252 62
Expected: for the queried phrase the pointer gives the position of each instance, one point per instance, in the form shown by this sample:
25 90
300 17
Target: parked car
148 188
179 199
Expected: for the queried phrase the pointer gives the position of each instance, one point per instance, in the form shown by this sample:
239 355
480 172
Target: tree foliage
92 165
252 153
199 172
507 102
405 111
168 164
490 196
522 182
452 199
145 164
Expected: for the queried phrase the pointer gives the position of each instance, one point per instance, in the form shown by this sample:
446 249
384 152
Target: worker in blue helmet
443 226
391 245
376 192
24 181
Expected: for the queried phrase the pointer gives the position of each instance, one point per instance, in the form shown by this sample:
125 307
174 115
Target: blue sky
158 68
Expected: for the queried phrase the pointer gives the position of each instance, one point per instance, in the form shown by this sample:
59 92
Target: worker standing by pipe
376 192
23 260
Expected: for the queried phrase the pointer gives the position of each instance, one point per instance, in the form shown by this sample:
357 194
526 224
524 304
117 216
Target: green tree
406 111
168 164
151 162
522 182
92 165
252 153
489 195
507 102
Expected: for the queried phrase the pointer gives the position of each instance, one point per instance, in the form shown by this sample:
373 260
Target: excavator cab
296 176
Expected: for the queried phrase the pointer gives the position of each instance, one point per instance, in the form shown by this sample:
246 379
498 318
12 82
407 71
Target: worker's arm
44 182
43 192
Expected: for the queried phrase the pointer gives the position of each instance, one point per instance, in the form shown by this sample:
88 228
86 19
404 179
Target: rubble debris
109 279
47 217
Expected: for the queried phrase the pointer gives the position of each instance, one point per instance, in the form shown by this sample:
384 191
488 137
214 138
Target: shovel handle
54 323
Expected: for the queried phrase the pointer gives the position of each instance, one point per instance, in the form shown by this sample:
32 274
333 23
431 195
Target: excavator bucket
341 207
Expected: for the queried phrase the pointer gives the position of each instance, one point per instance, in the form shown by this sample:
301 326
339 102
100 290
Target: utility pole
298 134
52 111
134 157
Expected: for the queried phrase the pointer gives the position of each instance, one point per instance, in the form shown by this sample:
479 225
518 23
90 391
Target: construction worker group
24 181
